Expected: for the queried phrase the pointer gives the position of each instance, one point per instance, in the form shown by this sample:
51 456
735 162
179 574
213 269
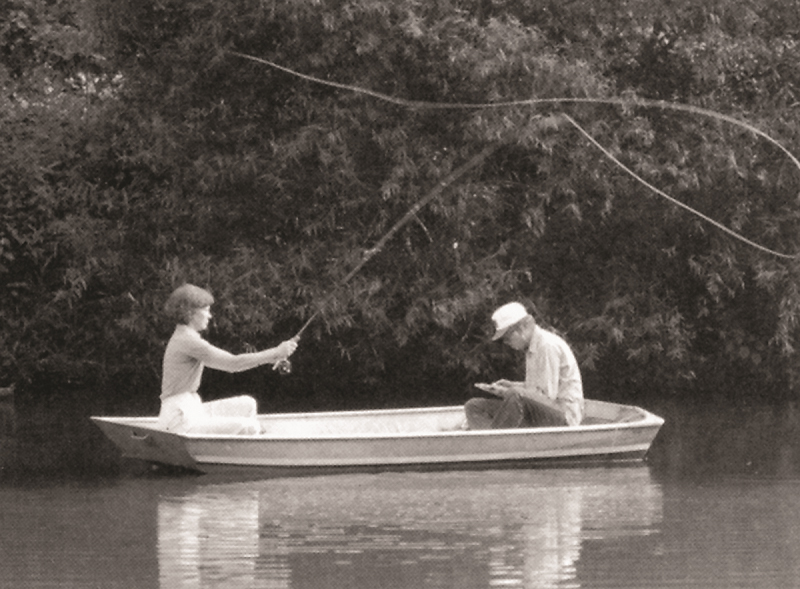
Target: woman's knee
249 403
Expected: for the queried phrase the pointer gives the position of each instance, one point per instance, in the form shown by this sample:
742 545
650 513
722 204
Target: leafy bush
171 159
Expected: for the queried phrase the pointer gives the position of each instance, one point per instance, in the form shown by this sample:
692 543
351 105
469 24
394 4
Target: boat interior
411 421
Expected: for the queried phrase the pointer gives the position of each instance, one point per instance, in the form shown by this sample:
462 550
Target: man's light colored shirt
551 369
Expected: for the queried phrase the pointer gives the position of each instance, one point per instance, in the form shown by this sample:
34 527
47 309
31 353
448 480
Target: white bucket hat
507 317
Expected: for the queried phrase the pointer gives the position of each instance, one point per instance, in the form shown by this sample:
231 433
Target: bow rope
634 102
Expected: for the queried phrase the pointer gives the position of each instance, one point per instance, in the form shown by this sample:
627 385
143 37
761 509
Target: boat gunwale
648 420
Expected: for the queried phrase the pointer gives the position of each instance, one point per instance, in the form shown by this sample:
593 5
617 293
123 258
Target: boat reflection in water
452 529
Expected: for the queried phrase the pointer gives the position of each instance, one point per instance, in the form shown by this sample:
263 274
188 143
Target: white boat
389 439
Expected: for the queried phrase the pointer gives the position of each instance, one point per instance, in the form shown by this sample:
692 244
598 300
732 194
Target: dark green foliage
140 153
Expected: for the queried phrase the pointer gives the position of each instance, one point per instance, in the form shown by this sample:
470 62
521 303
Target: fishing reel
284 366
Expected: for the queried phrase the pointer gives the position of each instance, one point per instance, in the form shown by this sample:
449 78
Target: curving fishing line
624 102
673 200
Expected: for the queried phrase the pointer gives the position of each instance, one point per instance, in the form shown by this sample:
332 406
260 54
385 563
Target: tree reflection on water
508 528
8 425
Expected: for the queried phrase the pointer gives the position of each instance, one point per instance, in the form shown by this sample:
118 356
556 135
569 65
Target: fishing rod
285 366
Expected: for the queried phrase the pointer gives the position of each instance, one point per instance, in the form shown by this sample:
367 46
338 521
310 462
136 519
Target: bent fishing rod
285 366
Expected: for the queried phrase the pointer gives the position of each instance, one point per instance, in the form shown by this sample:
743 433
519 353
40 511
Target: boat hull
399 439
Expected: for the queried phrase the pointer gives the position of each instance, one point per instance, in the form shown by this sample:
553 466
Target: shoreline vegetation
140 154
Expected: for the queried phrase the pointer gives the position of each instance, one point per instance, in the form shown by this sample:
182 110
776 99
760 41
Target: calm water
714 507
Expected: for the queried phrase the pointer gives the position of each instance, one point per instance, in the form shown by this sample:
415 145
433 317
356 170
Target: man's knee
511 413
473 405
479 412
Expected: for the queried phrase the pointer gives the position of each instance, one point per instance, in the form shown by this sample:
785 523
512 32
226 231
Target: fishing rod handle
284 366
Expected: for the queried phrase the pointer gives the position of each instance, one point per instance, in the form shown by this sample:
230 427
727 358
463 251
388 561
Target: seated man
552 393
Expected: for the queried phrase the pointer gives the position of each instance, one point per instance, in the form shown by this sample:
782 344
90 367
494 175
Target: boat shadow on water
8 425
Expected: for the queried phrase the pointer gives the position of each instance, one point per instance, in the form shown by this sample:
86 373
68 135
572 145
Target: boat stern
142 441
